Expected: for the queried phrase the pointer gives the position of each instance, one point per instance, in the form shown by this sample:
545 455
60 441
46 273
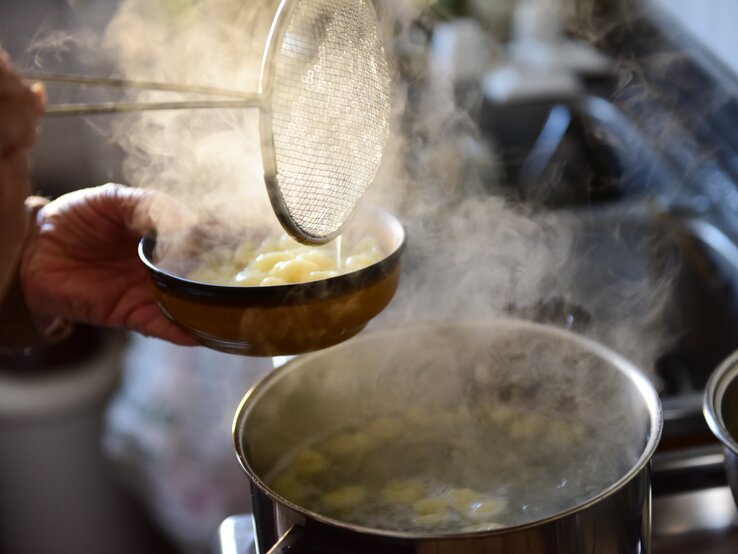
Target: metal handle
122 107
245 99
67 79
292 542
688 469
311 538
549 140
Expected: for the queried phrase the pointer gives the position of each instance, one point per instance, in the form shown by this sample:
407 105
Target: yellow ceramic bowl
284 319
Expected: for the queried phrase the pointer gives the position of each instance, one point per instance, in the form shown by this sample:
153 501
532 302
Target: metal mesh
330 111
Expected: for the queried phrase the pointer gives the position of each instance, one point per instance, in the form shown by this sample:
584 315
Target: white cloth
169 430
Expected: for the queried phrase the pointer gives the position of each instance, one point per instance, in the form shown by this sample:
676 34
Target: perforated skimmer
324 101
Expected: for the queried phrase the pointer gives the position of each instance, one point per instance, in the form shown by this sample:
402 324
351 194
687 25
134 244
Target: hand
83 264
21 107
20 110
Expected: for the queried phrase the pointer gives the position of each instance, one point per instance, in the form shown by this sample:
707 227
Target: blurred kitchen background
621 113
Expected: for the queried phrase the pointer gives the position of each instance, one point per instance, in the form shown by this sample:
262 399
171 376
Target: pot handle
688 469
293 541
299 539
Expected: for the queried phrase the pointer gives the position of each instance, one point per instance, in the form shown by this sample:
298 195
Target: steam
475 256
208 159
52 46
471 255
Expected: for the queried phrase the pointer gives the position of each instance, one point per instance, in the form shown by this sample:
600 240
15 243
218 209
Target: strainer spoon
324 102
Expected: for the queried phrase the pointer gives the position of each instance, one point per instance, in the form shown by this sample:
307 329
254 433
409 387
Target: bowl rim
712 407
648 393
297 292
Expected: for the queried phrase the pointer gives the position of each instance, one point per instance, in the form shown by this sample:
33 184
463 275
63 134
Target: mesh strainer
327 81
324 98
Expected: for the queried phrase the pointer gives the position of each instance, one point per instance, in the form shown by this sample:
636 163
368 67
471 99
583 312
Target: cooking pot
445 365
721 413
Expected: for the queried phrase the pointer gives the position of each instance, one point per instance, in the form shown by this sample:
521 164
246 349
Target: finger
11 84
21 107
149 321
15 184
174 223
109 209
9 81
19 117
163 213
14 187
139 210
39 97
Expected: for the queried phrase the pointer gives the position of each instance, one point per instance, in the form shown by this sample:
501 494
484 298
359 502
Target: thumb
141 211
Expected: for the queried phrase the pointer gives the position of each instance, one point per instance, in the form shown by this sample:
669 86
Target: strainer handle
243 99
120 107
68 79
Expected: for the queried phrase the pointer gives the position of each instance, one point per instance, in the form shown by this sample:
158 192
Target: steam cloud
471 255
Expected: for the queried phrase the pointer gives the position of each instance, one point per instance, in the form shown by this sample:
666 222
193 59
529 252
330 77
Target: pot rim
712 407
644 386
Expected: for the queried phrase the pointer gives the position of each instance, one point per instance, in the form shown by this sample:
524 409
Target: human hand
21 108
83 263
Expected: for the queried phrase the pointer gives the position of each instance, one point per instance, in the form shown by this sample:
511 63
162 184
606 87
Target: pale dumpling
283 261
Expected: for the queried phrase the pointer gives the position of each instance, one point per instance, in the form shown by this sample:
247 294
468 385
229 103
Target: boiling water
339 262
450 470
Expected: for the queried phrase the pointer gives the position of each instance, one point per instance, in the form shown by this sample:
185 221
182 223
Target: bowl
721 412
284 319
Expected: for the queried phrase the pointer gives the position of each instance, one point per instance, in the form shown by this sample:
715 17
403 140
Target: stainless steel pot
442 365
721 413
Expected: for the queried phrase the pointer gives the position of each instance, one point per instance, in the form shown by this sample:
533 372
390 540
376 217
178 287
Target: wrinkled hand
20 110
83 264
21 107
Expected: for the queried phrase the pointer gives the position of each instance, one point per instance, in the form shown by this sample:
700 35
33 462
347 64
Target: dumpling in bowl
283 261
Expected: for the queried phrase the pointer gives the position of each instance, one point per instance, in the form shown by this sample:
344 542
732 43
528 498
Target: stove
704 521
696 522
662 168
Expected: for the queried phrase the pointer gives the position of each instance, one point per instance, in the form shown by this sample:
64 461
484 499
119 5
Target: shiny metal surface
617 524
719 395
616 520
698 522
246 100
236 535
69 79
127 107
328 113
688 469
721 413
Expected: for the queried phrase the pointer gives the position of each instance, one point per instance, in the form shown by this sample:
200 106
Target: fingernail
39 90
